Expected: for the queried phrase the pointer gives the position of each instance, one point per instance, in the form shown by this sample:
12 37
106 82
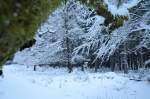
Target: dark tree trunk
1 72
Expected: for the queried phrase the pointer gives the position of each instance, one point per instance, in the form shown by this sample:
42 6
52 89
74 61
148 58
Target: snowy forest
74 49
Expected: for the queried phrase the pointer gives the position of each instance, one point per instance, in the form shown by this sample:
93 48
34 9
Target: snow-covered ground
20 82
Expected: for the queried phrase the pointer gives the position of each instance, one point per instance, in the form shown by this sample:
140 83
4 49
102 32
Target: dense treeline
131 53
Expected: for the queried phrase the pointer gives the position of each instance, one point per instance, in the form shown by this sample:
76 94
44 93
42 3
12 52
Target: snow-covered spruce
49 48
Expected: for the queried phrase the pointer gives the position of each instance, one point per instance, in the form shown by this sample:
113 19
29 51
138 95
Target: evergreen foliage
112 21
19 20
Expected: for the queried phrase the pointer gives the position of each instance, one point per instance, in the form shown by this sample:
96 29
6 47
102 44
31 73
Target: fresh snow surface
20 82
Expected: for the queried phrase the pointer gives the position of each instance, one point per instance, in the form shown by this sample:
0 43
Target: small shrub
148 78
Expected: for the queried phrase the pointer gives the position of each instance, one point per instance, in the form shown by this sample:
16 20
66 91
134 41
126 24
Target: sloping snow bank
20 82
